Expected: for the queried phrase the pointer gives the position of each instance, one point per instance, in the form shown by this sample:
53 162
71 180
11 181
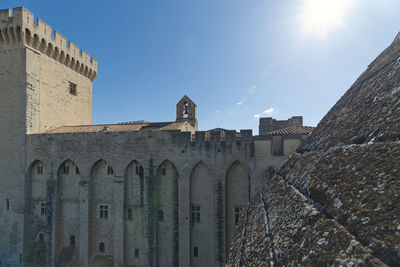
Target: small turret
186 110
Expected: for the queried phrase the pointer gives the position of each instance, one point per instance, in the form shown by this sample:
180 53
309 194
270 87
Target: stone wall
178 173
12 151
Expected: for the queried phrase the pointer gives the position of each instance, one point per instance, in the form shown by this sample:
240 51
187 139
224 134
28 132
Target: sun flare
318 17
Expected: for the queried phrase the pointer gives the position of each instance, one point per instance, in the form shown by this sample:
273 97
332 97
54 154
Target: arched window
186 110
161 215
102 247
195 252
72 241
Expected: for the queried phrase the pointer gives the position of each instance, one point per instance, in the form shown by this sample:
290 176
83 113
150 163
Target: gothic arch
67 207
36 200
202 216
134 183
167 203
101 205
237 194
133 213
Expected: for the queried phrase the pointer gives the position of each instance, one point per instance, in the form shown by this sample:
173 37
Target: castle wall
182 185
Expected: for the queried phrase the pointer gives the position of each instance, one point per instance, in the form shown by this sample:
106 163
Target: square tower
45 83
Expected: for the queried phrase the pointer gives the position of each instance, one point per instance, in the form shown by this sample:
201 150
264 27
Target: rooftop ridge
19 26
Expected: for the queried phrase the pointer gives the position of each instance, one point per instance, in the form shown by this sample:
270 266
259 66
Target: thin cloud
265 112
239 103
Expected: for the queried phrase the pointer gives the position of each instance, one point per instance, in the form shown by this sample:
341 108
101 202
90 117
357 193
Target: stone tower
45 82
186 110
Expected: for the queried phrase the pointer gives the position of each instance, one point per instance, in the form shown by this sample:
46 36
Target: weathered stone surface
369 111
336 201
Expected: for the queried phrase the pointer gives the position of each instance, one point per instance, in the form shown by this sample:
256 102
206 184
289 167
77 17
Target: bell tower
186 110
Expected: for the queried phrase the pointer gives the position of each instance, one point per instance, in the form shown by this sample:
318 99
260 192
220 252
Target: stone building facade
129 194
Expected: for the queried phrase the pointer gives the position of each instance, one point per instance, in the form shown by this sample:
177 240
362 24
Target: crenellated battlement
19 26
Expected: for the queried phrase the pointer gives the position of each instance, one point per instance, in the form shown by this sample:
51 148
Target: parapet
19 26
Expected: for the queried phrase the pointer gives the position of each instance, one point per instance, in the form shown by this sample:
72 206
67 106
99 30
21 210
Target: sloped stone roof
337 200
122 127
302 130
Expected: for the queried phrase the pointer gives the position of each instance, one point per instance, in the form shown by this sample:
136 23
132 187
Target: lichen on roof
336 201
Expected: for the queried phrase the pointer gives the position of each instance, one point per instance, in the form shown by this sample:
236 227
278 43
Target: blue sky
235 59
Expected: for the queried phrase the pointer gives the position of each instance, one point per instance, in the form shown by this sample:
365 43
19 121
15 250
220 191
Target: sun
319 17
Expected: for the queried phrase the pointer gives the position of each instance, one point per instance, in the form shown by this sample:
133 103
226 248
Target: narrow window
130 214
39 169
77 170
137 170
161 215
43 209
136 253
73 88
72 241
7 204
186 110
65 169
102 247
110 170
237 215
163 171
195 251
103 211
195 214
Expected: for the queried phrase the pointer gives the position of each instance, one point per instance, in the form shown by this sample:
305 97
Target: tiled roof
293 130
132 126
